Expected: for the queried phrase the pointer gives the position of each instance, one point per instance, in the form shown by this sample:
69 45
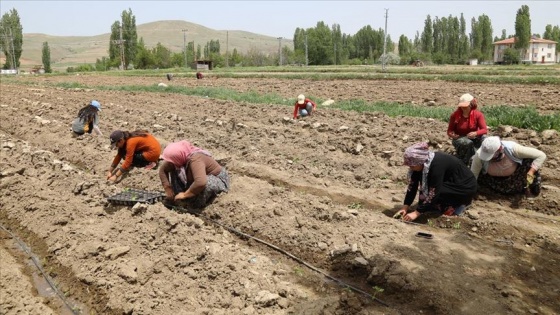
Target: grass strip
520 117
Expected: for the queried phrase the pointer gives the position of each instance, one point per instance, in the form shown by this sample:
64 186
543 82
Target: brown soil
322 193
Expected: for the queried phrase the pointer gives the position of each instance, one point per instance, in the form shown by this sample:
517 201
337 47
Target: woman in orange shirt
138 148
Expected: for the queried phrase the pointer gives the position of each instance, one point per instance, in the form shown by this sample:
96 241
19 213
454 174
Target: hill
67 51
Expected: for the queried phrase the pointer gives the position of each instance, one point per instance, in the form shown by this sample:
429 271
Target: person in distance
304 107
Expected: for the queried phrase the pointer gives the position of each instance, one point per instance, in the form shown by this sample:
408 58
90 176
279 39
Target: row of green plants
552 71
499 79
511 75
521 117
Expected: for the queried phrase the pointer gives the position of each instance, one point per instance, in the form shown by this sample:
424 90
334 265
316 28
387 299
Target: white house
539 51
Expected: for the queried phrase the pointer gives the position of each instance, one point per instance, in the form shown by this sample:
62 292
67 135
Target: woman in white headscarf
446 184
508 167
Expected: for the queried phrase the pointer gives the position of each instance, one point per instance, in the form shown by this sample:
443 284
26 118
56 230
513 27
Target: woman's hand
400 214
181 196
112 178
109 174
454 136
411 216
472 135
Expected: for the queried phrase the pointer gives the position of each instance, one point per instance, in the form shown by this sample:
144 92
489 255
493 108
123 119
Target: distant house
203 65
539 50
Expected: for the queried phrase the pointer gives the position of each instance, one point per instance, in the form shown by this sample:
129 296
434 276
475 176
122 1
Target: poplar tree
504 34
486 44
129 39
11 36
522 28
405 46
114 46
427 36
46 57
463 40
130 36
553 33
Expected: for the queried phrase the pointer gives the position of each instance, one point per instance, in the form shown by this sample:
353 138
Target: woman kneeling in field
190 175
138 148
446 184
508 167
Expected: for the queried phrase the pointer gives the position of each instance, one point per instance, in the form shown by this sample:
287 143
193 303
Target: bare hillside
69 51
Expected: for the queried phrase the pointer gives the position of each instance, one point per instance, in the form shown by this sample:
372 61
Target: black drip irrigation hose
40 268
301 261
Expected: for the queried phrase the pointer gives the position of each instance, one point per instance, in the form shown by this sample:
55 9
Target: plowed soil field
321 191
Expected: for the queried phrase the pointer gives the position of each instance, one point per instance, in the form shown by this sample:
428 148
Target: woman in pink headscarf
446 184
190 174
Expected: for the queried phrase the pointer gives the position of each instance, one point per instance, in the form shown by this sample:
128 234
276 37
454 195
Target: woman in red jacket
467 127
304 106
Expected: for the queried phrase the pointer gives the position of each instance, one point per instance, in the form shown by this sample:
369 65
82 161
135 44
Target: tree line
443 40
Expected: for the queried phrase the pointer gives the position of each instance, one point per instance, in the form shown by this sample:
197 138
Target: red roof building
539 50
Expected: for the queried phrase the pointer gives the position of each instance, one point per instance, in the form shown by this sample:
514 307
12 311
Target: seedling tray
130 197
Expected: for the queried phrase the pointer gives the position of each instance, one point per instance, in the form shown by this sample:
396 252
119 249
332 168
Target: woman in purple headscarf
190 174
446 184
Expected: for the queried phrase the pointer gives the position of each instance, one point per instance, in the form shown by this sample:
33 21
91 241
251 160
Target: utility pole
335 54
9 45
280 50
120 42
306 57
227 49
14 66
384 67
185 46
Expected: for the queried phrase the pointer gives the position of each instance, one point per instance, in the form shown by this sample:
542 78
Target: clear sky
273 18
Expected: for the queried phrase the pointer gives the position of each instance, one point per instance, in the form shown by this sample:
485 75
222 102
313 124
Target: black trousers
138 160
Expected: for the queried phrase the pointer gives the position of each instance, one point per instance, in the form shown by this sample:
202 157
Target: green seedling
376 290
298 271
355 205
457 225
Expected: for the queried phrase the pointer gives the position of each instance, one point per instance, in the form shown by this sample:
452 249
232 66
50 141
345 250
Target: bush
81 68
392 59
354 62
511 56
440 58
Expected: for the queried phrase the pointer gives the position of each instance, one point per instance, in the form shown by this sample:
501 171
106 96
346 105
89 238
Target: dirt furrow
322 192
